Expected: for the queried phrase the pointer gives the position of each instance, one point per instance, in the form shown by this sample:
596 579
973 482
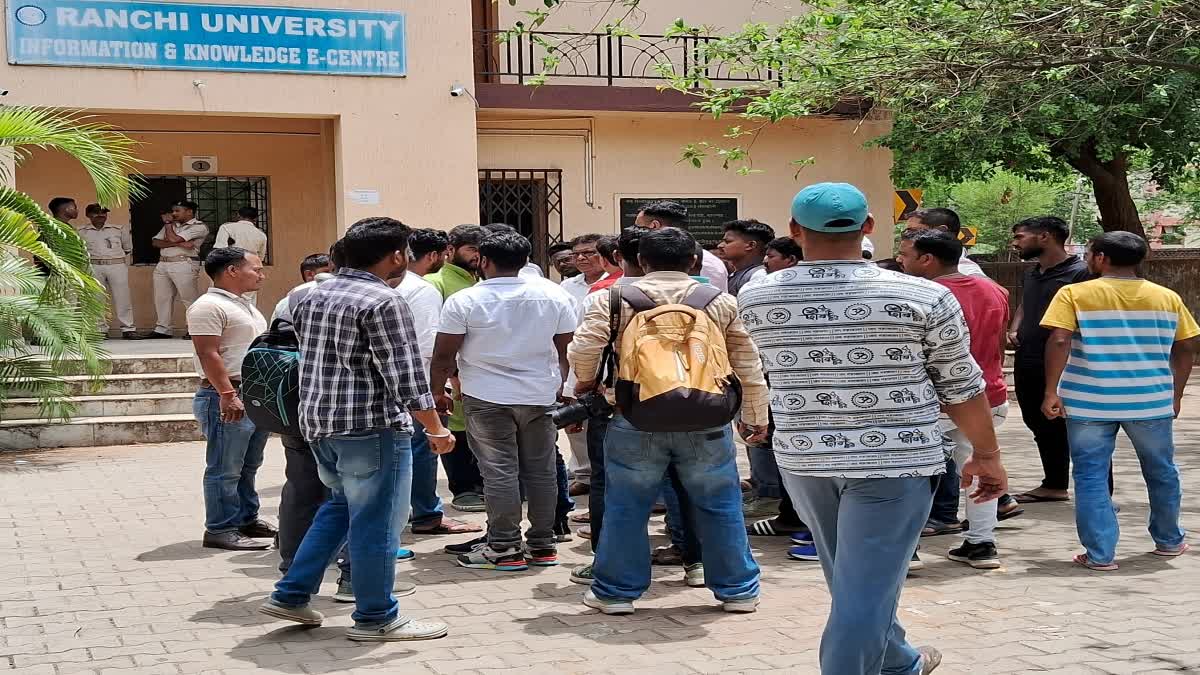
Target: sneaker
666 555
612 607
741 605
404 554
469 502
693 575
916 564
760 507
981 556
806 552
400 629
233 541
542 557
302 615
930 659
465 547
582 575
345 590
562 531
802 538
488 558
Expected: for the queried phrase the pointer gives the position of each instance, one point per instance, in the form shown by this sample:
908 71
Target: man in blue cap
860 360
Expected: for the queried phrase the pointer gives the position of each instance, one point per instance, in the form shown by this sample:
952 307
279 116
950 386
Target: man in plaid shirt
361 376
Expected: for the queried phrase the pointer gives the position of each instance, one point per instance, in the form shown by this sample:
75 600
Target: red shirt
985 308
606 282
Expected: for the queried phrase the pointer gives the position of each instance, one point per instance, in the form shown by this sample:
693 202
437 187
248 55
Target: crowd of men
180 243
866 398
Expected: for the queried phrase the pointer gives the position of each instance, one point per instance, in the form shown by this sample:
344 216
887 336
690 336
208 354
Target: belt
178 258
108 261
205 384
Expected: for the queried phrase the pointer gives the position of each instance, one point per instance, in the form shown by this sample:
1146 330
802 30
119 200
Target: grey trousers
515 446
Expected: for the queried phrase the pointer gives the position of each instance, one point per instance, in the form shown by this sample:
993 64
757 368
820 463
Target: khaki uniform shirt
243 234
109 241
192 230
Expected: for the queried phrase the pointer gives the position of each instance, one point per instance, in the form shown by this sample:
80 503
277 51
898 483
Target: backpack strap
608 360
637 299
701 297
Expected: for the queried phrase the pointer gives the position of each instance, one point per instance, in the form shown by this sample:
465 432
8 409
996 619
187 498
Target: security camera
3 92
455 91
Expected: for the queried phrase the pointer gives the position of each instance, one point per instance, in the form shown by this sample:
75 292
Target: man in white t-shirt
245 234
508 338
223 324
673 214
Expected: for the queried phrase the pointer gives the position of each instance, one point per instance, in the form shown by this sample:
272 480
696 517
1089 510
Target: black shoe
465 547
155 335
130 335
233 541
259 529
981 556
562 531
185 336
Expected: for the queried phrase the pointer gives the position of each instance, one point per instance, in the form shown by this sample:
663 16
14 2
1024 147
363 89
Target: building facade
431 122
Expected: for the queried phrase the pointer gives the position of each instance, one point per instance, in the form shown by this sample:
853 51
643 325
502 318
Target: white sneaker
741 605
613 607
400 629
693 575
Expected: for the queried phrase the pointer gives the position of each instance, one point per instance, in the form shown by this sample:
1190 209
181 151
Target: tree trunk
1110 185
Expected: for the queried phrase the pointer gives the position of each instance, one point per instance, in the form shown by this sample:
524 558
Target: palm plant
60 307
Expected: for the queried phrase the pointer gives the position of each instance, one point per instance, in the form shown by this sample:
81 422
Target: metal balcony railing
612 59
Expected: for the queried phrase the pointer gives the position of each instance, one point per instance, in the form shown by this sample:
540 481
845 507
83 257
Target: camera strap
608 359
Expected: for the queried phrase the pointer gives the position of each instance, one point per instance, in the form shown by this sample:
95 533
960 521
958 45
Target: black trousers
462 471
303 493
597 429
1050 435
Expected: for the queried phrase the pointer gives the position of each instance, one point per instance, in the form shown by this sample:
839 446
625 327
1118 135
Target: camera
591 404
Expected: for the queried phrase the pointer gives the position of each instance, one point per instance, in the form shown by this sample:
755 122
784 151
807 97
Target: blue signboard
191 36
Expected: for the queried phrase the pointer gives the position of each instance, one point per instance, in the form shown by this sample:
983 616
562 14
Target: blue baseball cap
830 207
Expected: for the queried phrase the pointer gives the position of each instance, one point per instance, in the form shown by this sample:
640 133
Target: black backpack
271 377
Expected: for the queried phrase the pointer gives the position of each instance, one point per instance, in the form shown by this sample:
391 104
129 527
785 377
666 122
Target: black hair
671 214
220 259
1052 225
787 248
498 228
586 239
629 242
424 241
164 212
337 254
187 205
57 203
937 243
669 249
466 235
508 251
607 248
560 247
314 261
1123 249
889 264
939 218
370 240
248 212
753 230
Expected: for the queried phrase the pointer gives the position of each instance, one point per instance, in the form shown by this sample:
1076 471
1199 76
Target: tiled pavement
101 570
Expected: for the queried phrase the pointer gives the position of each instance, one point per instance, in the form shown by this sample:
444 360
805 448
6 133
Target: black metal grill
219 198
530 200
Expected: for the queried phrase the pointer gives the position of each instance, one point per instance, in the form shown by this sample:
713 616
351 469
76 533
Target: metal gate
530 200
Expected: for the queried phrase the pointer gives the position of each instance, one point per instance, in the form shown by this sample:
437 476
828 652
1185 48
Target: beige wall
296 155
382 139
652 17
639 155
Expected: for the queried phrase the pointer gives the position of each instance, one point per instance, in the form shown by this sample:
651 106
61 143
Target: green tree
994 203
58 308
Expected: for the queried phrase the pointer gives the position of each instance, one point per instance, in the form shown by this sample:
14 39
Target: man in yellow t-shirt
1119 355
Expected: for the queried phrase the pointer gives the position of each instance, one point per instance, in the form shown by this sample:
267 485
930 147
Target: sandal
448 526
1171 553
1030 498
1082 559
940 529
585 517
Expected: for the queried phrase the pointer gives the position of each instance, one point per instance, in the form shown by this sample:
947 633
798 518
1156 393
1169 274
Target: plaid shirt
360 363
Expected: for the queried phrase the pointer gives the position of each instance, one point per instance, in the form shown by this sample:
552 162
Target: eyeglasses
584 254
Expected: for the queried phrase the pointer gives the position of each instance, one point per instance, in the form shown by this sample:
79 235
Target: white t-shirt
530 271
715 270
970 267
233 318
425 301
508 355
578 286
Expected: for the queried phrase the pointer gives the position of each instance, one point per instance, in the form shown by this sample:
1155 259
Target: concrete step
175 403
130 384
98 431
131 364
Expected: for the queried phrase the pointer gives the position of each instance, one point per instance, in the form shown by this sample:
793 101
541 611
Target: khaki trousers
173 279
115 278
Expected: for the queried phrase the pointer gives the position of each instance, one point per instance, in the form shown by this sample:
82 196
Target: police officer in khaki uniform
107 247
178 266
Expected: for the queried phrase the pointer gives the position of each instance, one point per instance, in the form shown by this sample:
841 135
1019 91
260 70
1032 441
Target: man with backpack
686 368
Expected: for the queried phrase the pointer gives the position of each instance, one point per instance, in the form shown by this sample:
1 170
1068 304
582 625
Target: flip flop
950 528
585 517
1169 553
1082 559
449 526
1030 498
1005 515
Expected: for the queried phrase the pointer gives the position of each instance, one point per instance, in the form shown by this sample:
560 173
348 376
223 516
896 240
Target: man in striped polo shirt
1119 355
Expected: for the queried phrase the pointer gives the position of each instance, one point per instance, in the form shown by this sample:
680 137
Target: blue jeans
369 475
564 503
233 453
945 496
1092 446
764 472
635 463
426 504
865 530
597 430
